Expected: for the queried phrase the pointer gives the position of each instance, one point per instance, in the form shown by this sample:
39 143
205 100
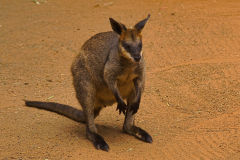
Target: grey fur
104 72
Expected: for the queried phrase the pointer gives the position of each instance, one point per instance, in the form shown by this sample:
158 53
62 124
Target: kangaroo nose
137 58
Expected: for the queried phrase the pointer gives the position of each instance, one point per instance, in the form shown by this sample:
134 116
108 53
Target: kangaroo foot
139 134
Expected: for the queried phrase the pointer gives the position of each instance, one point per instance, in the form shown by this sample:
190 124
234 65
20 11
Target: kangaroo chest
126 76
125 86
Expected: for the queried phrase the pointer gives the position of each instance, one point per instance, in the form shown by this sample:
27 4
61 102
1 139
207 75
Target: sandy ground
192 96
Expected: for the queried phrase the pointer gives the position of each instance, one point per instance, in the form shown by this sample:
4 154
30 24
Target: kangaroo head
130 39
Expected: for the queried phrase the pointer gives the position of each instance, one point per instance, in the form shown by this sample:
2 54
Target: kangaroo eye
126 46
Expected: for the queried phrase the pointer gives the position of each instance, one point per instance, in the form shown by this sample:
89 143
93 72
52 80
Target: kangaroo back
92 58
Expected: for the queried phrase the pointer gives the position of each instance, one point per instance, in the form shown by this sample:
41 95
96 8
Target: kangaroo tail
65 110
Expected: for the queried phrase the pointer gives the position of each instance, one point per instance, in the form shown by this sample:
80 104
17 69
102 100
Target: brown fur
105 72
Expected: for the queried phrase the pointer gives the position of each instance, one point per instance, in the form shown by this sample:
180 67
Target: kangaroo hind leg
129 126
87 99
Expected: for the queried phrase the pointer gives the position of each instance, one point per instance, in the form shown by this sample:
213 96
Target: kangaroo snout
137 58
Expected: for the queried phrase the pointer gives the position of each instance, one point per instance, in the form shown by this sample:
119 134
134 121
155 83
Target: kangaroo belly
105 96
126 89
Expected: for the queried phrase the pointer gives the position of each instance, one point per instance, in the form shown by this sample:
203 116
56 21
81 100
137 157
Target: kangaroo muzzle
137 58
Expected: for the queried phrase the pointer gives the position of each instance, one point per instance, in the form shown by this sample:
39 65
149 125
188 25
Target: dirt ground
192 96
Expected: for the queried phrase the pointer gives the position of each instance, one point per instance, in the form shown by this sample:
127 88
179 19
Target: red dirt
192 96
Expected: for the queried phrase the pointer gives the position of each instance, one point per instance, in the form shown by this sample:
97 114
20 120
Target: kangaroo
109 68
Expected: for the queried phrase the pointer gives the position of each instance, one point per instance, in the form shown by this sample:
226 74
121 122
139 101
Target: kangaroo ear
117 27
140 25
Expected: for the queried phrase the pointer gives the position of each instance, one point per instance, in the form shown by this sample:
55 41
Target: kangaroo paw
122 107
134 107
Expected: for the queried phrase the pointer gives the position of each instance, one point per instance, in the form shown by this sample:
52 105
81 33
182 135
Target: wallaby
109 68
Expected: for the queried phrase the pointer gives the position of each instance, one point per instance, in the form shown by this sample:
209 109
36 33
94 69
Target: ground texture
192 96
